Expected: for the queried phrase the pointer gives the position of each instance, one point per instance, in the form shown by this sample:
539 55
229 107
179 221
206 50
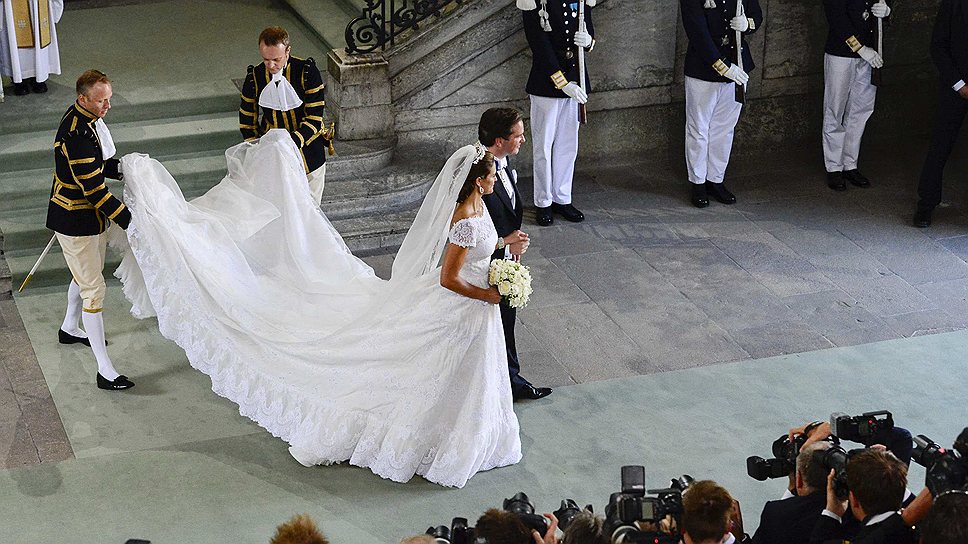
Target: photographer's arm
918 508
550 536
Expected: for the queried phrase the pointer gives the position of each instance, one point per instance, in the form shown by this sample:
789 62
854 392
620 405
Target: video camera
947 470
632 505
864 429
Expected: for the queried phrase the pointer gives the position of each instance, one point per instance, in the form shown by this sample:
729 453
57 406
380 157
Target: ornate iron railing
383 20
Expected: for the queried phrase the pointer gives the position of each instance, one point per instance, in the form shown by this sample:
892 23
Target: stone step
197 172
127 105
191 134
327 20
364 236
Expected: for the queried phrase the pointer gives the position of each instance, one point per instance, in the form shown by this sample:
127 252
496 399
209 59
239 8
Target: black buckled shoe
65 338
530 392
699 197
856 178
922 218
568 211
835 180
542 216
21 88
720 192
120 383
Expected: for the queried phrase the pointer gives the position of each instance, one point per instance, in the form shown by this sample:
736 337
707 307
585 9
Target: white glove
583 39
872 57
881 9
740 24
737 74
574 91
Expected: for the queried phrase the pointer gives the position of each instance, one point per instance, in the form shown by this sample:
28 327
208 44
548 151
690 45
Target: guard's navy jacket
949 41
712 43
80 203
555 55
850 26
305 123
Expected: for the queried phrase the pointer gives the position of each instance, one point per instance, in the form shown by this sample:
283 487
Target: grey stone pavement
649 284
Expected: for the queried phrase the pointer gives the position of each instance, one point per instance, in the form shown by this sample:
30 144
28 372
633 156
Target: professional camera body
784 460
521 506
633 505
947 469
459 532
863 429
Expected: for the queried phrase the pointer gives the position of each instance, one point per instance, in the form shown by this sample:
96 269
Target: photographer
877 482
791 520
585 528
502 527
947 521
710 515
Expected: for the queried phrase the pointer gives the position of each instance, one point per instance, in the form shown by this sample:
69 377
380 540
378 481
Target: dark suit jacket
711 41
506 219
892 530
949 42
789 521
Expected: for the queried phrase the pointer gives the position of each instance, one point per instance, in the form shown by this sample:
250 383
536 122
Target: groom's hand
517 243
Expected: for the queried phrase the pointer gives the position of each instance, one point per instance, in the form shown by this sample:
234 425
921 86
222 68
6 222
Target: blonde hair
301 529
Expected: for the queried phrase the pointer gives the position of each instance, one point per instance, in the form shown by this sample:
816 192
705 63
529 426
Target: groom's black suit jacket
506 218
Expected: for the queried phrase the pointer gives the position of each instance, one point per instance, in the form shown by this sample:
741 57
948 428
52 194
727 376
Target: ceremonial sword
37 264
876 72
740 89
582 110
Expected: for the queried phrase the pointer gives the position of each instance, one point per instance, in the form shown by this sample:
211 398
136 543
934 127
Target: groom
501 130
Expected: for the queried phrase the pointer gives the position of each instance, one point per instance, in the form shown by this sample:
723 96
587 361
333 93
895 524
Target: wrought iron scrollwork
383 20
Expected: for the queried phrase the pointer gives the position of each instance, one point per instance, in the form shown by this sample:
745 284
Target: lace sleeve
463 234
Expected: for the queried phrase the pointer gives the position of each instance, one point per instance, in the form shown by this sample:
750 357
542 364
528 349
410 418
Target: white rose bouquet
513 281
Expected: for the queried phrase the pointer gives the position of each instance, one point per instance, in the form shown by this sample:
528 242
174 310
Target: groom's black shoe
119 383
65 338
529 392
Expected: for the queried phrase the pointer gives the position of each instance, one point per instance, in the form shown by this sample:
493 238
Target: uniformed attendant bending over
79 212
289 92
711 74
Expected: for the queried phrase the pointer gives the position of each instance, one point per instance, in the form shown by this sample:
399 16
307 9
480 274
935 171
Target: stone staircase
371 192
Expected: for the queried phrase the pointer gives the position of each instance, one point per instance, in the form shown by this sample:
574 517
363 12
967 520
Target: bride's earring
481 189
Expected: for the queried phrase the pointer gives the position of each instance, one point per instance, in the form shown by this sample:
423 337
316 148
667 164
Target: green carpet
172 462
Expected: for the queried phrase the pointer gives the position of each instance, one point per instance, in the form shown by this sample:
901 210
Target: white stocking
94 325
72 318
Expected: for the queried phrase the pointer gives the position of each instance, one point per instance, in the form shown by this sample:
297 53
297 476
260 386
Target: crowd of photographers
834 495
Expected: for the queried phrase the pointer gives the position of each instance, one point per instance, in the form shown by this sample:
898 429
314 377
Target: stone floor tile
907 252
381 264
626 233
43 421
952 296
9 406
920 323
687 267
840 318
54 452
561 240
16 447
780 338
738 306
774 264
543 370
552 287
888 295
587 343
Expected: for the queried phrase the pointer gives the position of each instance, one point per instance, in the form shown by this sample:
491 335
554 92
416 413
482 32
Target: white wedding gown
402 376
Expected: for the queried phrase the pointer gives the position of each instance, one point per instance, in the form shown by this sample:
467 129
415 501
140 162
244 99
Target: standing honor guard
80 211
28 43
712 101
554 34
848 94
949 49
289 91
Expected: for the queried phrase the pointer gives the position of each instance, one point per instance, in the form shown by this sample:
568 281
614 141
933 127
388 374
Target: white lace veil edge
424 243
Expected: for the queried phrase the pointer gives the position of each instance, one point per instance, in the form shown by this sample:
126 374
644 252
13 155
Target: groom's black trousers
951 114
508 316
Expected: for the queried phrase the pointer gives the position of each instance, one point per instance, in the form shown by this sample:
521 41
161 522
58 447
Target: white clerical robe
21 62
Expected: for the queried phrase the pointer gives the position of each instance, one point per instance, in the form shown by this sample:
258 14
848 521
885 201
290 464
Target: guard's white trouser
848 102
85 259
554 133
317 179
711 115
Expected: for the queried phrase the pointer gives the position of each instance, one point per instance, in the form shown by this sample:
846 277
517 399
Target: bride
406 376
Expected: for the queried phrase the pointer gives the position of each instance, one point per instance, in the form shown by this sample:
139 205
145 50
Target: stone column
358 95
